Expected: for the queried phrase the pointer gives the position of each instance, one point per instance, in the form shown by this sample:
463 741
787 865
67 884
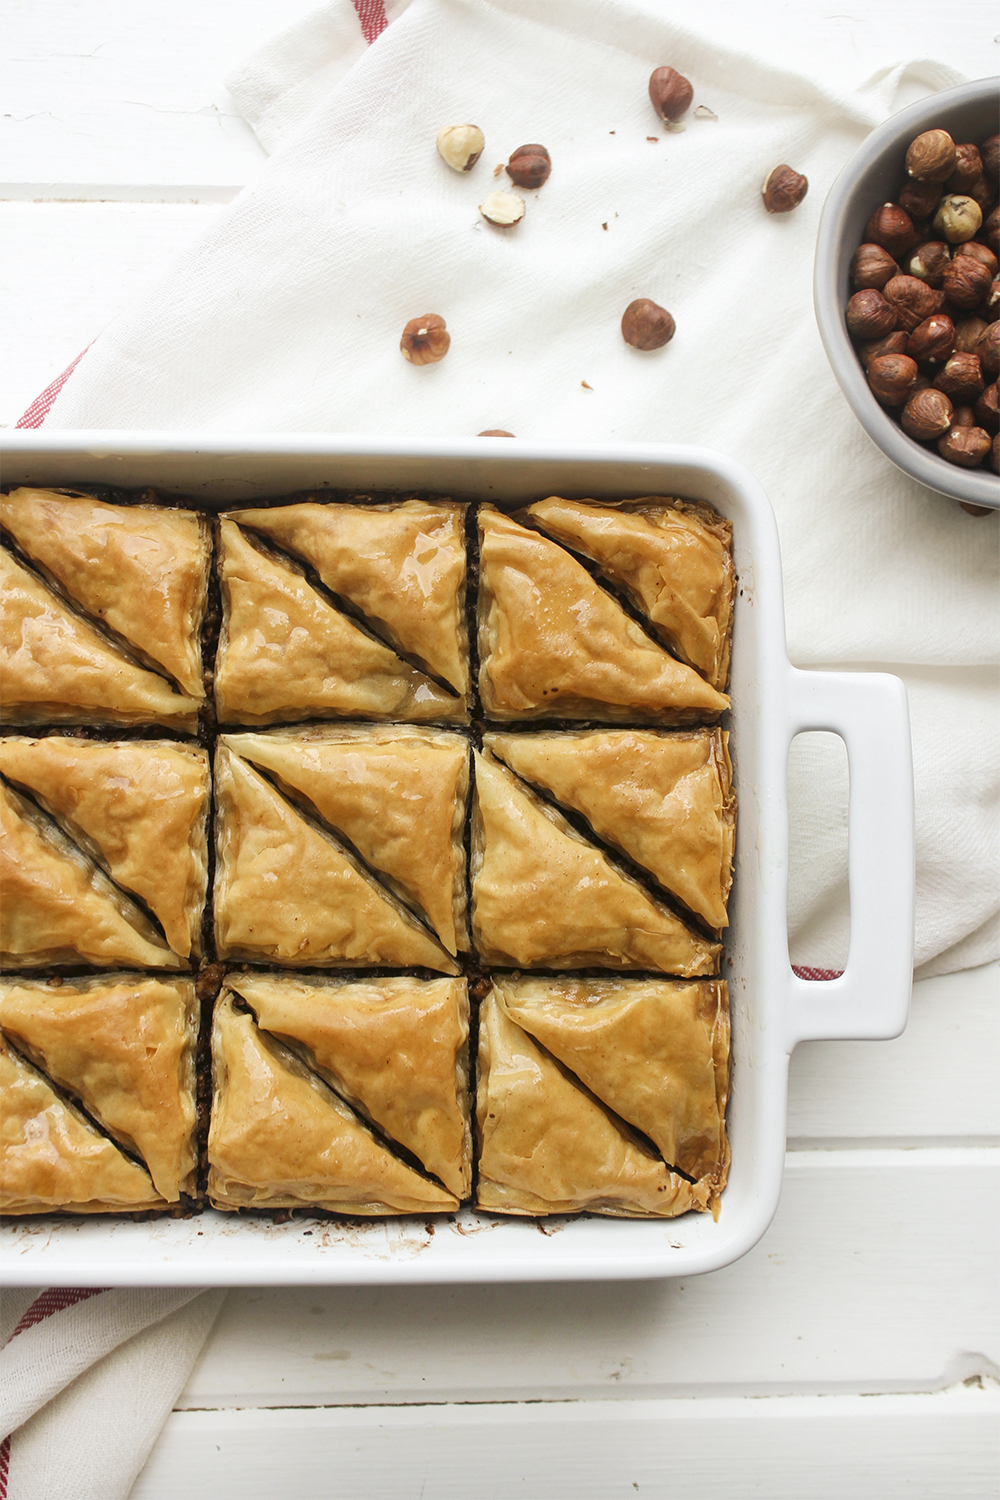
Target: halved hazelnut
425 340
931 157
927 415
646 325
958 217
502 208
871 265
869 315
670 93
529 166
783 189
460 146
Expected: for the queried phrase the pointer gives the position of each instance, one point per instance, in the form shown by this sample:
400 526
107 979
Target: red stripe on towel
4 1466
371 14
55 1299
805 973
42 405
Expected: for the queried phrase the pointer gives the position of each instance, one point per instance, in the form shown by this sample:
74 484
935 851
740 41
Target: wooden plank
878 1274
794 1449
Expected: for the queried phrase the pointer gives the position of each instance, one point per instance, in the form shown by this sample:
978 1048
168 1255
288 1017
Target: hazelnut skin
784 189
928 261
931 157
529 166
988 410
961 378
919 199
646 325
502 208
891 227
913 300
965 446
872 266
425 340
670 93
933 340
893 343
869 315
958 217
988 350
891 378
967 170
460 146
927 415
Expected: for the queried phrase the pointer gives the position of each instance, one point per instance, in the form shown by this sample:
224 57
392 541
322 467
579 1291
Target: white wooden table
866 1318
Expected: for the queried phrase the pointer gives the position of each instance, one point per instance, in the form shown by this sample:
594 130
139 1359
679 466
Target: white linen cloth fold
288 313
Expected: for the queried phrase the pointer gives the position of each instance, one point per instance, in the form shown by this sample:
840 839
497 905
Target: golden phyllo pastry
52 1157
140 807
554 644
281 1138
397 1049
547 1147
544 897
286 892
656 1051
59 907
665 800
397 795
401 566
673 560
57 668
286 653
123 1046
141 570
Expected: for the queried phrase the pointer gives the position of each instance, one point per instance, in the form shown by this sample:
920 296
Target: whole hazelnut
958 217
978 251
494 432
928 261
891 227
891 378
529 166
994 459
965 446
869 315
913 300
987 409
502 208
931 157
988 350
968 167
963 416
984 192
927 415
893 343
967 334
989 150
460 146
646 325
425 340
991 302
783 189
991 230
966 282
670 93
961 378
872 266
919 199
933 340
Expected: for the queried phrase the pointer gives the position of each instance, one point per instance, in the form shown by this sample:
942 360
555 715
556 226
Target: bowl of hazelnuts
907 294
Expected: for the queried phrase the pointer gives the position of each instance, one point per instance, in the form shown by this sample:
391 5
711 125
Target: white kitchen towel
287 315
88 1376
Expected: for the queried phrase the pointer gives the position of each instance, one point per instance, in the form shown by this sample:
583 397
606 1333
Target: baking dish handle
871 998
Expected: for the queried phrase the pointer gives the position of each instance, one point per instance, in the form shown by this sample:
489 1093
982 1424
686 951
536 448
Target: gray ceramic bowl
873 176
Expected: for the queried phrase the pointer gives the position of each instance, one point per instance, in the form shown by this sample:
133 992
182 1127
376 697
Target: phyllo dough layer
543 897
139 807
51 1157
547 1147
280 1138
397 795
397 1049
665 800
553 643
123 1046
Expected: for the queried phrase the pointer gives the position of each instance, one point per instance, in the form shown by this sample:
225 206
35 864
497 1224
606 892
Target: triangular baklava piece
51 1157
663 799
286 893
139 807
547 1147
397 795
59 907
280 1138
124 1046
402 566
672 558
395 1048
142 570
285 653
656 1051
59 669
553 643
543 897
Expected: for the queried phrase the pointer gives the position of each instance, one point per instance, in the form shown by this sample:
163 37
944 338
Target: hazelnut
966 282
933 340
984 192
893 343
671 93
926 415
919 199
967 334
931 157
958 217
425 340
978 510
978 251
502 208
963 416
872 266
494 432
783 189
988 410
961 378
646 325
965 446
460 146
991 230
989 150
529 166
994 459
913 300
891 378
991 304
869 315
891 227
928 261
967 169
988 350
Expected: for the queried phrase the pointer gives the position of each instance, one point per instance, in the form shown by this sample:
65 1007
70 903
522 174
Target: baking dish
772 1008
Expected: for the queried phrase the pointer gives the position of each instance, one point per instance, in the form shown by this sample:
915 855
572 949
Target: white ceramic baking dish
772 1008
